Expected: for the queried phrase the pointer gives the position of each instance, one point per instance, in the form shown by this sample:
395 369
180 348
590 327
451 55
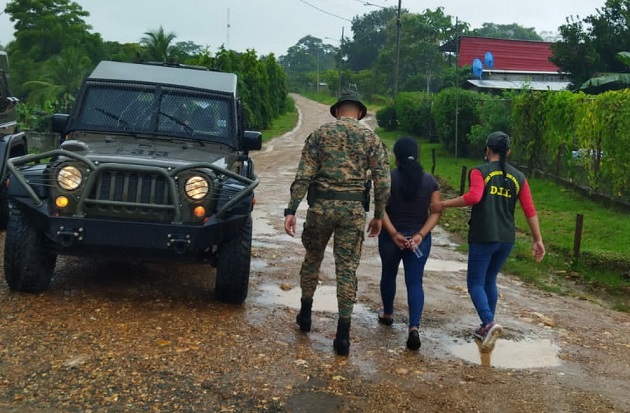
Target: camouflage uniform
336 158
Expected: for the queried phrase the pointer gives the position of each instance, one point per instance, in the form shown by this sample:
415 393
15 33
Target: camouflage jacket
337 156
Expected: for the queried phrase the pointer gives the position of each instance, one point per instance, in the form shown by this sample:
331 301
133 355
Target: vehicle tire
4 207
28 263
233 262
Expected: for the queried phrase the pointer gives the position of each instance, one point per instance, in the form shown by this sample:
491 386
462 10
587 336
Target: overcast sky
275 25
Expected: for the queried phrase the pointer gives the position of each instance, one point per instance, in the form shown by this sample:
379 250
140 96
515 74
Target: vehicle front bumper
142 240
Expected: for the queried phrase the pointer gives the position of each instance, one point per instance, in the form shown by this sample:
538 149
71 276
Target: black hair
501 147
406 152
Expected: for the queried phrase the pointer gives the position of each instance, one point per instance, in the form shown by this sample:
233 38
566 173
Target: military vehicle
12 141
153 165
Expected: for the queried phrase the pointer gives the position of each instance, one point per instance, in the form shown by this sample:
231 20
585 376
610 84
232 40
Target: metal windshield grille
148 109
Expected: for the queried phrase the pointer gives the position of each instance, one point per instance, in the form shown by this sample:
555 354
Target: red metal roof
518 55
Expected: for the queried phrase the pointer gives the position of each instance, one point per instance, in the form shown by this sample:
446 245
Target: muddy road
120 337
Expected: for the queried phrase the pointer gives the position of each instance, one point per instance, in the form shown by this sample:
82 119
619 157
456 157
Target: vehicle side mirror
59 122
252 140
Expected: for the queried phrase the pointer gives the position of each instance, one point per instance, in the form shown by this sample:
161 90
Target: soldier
334 169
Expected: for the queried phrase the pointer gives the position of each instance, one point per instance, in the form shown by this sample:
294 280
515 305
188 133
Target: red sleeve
475 192
527 203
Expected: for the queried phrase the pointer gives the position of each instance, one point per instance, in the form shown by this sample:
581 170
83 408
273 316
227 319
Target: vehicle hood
156 151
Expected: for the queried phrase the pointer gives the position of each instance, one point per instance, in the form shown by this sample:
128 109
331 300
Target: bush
413 110
445 105
494 115
386 118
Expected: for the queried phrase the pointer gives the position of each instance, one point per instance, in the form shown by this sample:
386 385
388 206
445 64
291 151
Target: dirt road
120 337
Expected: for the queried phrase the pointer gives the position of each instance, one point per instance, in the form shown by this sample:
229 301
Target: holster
366 195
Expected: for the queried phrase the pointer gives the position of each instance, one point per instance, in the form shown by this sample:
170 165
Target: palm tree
158 45
61 79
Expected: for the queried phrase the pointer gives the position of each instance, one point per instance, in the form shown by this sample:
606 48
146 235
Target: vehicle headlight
196 187
69 178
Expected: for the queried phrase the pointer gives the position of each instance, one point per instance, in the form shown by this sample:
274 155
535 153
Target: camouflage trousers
346 220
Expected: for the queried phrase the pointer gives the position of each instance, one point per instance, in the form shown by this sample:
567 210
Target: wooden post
577 240
462 185
433 164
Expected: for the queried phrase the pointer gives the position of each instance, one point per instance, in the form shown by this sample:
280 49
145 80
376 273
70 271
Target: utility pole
318 52
456 82
397 50
227 38
340 65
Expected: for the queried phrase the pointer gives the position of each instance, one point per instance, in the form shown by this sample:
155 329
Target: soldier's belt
338 195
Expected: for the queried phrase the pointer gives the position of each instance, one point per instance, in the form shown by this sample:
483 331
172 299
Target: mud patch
311 402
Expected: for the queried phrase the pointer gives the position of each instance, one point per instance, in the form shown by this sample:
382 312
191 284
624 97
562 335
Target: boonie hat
498 138
349 96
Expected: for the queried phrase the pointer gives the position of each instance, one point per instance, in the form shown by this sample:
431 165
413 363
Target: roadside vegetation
283 123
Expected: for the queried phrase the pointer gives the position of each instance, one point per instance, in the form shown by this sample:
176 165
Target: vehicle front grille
130 195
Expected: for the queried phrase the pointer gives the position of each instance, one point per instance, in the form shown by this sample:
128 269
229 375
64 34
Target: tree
157 45
43 28
185 52
590 46
127 52
308 56
422 65
61 79
506 31
610 81
369 35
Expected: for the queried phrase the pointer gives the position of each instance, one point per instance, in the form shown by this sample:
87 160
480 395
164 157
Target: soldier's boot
304 316
341 343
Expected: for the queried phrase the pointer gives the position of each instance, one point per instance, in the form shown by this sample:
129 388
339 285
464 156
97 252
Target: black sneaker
413 342
385 320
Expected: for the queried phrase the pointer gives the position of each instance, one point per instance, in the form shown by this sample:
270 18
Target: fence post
433 164
462 184
577 239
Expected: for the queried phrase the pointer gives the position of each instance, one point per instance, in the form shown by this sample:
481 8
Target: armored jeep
12 141
153 164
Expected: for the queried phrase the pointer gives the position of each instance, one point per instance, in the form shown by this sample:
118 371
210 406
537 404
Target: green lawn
283 124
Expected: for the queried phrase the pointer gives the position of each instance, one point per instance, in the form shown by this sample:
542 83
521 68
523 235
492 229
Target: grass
603 267
283 124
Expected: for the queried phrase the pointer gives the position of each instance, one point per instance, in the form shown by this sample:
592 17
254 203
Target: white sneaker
493 332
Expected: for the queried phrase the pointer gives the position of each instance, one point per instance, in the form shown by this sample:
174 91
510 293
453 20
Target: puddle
511 354
325 298
262 226
257 265
440 238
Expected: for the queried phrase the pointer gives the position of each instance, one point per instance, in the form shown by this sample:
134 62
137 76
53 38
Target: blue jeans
414 270
485 260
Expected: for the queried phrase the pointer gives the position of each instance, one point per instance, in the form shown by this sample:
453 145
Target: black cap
349 96
498 139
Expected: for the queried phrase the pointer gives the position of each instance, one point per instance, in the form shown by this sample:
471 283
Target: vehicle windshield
157 110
